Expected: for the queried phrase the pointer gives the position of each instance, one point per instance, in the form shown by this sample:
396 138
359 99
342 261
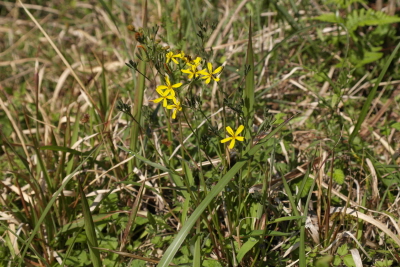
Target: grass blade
138 100
248 93
90 230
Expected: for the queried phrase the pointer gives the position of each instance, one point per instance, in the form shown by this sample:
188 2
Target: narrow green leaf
90 230
197 251
288 218
138 99
99 218
268 233
155 165
65 149
246 248
248 93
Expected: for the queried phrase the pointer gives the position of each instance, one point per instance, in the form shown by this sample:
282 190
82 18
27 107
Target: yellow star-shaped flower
176 107
165 95
234 136
210 74
192 71
189 61
170 56
168 86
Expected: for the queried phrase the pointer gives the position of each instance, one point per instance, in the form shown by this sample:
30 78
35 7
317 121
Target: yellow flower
176 107
168 86
170 56
189 61
192 71
167 94
210 74
181 55
234 136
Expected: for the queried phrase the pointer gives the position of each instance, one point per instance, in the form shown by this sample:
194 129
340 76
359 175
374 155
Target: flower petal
226 139
229 130
168 93
232 144
209 67
177 85
165 103
217 70
239 130
239 138
162 87
167 79
157 100
174 114
203 72
216 79
208 79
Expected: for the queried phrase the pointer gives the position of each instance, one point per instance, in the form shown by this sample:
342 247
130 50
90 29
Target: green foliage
338 176
367 50
342 4
359 18
343 256
383 263
324 261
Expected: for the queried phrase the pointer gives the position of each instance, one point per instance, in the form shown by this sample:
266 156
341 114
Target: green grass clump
199 134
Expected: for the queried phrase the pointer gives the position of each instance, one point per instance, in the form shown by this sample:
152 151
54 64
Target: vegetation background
93 173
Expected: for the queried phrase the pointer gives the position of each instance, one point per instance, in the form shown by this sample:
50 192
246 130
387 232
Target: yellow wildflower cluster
167 91
193 65
193 70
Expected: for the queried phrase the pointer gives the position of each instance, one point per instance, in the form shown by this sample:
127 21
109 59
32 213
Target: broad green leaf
324 261
211 263
337 261
279 118
384 263
342 250
369 57
396 126
348 260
